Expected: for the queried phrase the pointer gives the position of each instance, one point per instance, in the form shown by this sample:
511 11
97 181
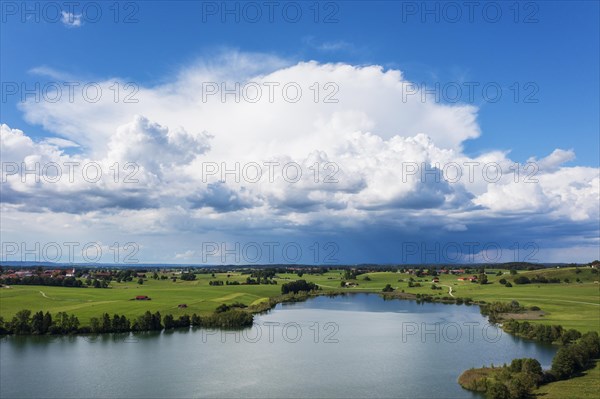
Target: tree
37 323
106 324
140 281
533 370
188 276
231 319
65 323
297 286
184 321
47 323
73 323
169 322
498 390
515 365
95 326
21 322
125 325
3 326
591 343
116 324
569 336
387 288
350 274
522 280
519 386
564 363
156 322
196 320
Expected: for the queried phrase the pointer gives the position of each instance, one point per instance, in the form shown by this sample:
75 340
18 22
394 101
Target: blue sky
545 51
558 53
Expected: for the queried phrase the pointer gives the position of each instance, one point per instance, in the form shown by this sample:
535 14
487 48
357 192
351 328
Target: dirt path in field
44 295
449 290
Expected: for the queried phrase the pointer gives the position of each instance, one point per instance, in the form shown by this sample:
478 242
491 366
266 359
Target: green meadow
573 305
584 387
166 296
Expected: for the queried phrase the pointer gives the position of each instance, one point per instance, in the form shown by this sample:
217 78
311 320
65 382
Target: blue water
342 347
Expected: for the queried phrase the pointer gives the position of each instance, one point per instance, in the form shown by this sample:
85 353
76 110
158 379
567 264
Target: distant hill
507 265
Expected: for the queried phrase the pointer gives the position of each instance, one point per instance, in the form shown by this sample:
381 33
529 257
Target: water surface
351 346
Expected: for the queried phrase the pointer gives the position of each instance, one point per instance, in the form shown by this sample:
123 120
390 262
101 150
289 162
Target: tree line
494 310
541 332
298 286
537 279
54 282
27 323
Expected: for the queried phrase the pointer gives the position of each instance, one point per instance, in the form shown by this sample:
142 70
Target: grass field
198 295
573 305
584 387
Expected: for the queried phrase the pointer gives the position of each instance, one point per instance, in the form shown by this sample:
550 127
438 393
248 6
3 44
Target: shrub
522 280
188 276
387 288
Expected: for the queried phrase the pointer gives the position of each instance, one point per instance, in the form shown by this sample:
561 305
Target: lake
347 346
